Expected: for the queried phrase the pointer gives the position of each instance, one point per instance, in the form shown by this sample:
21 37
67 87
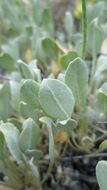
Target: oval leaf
102 99
29 136
56 99
11 136
29 93
76 78
50 48
67 58
7 62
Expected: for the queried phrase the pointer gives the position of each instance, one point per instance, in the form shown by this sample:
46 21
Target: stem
84 26
91 83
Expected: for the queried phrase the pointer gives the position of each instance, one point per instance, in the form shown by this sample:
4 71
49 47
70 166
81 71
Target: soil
75 173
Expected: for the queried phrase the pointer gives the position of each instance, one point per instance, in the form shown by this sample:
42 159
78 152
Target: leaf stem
84 26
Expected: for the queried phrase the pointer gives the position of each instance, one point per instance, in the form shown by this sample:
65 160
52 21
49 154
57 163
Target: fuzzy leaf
67 58
15 94
101 65
56 99
7 62
35 153
76 78
29 93
11 136
102 99
50 48
5 107
95 36
27 111
29 136
69 24
67 125
26 70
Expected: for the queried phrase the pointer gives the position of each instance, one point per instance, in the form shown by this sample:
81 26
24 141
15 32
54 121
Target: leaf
95 36
15 95
35 153
69 24
56 99
101 173
102 99
66 58
76 77
47 21
101 65
67 125
36 11
103 145
26 70
36 71
12 48
11 136
2 144
29 93
50 48
45 121
5 107
27 111
29 136
7 62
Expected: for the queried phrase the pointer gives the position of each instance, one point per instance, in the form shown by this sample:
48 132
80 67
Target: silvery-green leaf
36 72
102 99
36 11
67 125
35 153
61 77
56 99
16 122
29 136
11 136
76 77
26 70
95 36
7 62
1 146
15 95
101 65
50 48
66 58
69 24
101 173
45 120
27 111
29 93
12 48
5 106
47 21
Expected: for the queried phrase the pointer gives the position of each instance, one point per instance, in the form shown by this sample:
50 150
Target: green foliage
30 93
53 95
76 77
6 62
